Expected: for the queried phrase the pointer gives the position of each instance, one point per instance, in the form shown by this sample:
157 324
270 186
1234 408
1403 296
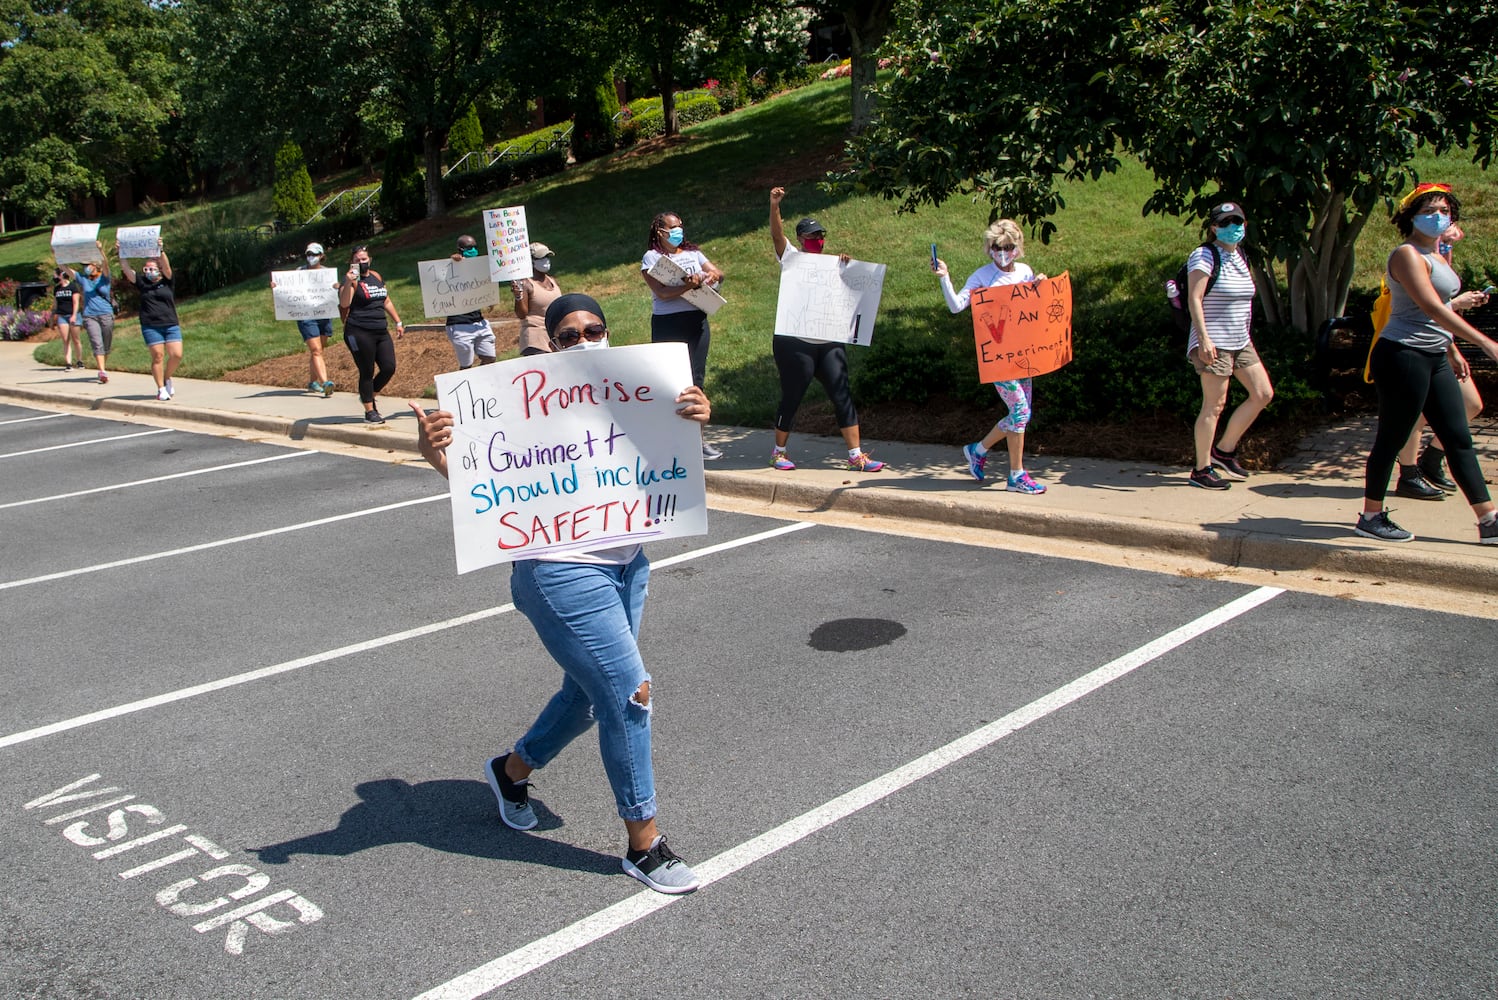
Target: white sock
1489 517
854 453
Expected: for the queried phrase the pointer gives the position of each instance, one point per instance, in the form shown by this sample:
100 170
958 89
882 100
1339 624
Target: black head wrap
572 302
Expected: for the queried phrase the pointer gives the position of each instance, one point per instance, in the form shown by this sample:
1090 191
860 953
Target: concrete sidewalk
1298 518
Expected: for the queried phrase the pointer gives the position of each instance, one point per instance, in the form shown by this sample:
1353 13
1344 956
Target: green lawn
596 216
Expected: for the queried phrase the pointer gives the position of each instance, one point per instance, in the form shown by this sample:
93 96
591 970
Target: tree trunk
864 67
664 75
432 141
868 23
1321 276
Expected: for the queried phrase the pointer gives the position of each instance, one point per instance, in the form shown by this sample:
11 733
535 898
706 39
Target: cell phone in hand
363 268
933 256
1490 290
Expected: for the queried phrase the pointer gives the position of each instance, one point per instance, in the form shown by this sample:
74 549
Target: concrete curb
1225 547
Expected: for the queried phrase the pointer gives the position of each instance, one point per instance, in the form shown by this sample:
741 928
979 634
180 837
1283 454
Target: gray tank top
1408 324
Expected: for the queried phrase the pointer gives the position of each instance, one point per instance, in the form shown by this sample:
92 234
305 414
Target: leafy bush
692 106
593 124
533 142
403 195
502 173
291 196
467 136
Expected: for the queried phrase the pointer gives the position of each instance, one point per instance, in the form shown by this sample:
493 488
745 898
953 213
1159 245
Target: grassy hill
717 176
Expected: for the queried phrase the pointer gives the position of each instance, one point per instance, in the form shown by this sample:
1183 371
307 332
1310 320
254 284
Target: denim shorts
161 335
313 328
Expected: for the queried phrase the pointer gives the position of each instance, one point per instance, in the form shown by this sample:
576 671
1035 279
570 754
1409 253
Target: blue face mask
1231 235
674 236
1432 224
470 251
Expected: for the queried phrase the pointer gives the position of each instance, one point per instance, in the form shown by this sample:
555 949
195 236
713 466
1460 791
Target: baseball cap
809 227
1227 210
539 250
314 248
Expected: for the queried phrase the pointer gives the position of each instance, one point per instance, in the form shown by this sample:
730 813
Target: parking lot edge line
156 479
27 420
203 546
507 968
80 444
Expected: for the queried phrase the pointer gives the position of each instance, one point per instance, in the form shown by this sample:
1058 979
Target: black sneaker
1487 532
661 869
373 417
513 796
1227 462
1208 479
1432 466
1380 527
1414 486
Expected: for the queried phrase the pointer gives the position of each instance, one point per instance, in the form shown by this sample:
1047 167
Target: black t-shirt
366 311
158 303
470 317
62 301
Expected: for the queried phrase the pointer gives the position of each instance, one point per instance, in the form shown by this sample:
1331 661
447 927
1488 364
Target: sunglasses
1007 248
1231 220
568 337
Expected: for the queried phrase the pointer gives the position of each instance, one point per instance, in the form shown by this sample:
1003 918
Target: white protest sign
669 273
138 241
566 453
306 294
75 244
821 298
509 243
450 287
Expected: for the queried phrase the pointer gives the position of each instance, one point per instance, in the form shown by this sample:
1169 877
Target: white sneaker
170 389
709 452
162 394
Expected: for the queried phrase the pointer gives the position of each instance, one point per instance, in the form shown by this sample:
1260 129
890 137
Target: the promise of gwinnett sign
566 453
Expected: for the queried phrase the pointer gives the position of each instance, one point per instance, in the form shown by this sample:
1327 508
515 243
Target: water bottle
1172 293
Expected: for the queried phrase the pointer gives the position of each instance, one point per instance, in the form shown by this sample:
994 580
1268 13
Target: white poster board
509 243
565 453
450 287
74 244
821 298
138 241
671 274
306 294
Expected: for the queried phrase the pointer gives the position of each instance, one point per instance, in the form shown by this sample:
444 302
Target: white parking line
155 479
202 546
359 647
507 968
80 444
27 420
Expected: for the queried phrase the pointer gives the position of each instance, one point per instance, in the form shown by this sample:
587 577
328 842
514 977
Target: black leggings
799 362
371 348
1412 382
688 328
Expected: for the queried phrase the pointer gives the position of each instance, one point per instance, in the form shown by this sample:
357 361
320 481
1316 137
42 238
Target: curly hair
1002 231
1404 218
661 246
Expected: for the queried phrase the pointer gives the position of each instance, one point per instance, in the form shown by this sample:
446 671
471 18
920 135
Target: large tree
1307 111
84 90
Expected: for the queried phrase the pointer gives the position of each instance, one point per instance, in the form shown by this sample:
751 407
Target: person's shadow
454 816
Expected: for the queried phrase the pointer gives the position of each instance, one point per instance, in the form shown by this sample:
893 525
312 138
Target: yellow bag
1381 307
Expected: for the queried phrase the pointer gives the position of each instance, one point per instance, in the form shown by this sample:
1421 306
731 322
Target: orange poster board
1022 330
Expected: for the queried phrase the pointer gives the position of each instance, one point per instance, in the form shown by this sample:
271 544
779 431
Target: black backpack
1175 291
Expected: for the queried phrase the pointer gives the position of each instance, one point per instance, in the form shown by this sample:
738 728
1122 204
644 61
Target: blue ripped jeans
588 618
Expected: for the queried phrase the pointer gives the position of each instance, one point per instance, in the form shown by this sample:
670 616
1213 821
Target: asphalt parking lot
248 704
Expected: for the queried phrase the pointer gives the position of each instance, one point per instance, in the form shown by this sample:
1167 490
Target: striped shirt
1228 307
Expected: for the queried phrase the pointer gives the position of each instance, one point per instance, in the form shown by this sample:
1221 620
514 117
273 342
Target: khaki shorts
1227 361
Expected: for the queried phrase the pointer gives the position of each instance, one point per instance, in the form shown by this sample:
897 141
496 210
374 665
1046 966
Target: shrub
18 324
593 124
403 196
466 136
291 196
502 173
692 106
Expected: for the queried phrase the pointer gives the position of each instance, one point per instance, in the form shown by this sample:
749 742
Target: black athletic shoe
1432 466
1379 526
373 417
1227 464
1208 479
1487 532
513 797
661 869
1413 485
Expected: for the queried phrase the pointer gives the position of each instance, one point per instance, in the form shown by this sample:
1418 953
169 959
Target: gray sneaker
660 869
1379 526
513 796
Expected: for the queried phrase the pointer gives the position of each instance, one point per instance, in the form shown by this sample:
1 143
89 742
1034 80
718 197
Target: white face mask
542 266
588 345
1003 258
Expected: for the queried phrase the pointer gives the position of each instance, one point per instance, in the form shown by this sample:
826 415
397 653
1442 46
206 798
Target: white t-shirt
690 261
986 276
1228 307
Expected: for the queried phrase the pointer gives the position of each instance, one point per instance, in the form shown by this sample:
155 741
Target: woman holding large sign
1005 244
586 609
365 303
672 318
158 316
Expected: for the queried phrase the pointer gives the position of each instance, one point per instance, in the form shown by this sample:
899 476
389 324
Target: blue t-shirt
95 295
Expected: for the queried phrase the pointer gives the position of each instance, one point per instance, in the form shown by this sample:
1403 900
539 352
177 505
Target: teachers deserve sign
565 453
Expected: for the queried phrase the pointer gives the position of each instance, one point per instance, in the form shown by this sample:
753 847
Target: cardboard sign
509 244
307 294
570 452
75 244
671 274
1022 330
138 241
450 287
823 299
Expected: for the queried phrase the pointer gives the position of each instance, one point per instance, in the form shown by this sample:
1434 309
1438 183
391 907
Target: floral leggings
1016 395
